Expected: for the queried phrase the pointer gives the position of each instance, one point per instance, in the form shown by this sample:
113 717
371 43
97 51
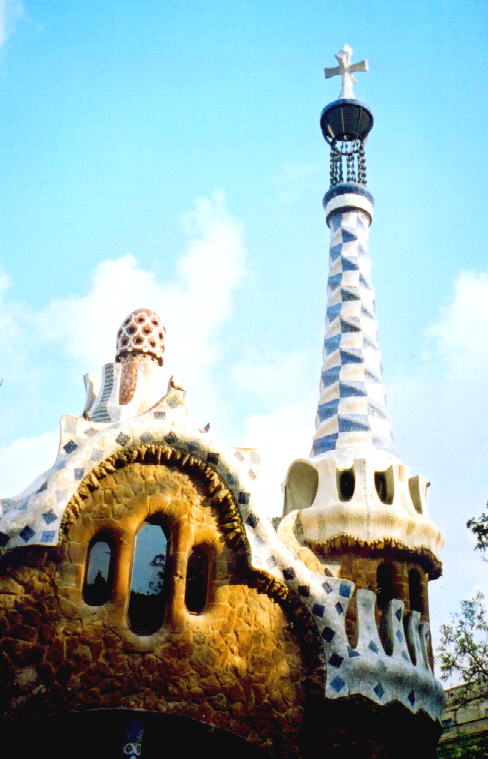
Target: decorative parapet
404 675
381 503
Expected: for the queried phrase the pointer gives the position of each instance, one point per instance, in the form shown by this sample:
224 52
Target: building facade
146 596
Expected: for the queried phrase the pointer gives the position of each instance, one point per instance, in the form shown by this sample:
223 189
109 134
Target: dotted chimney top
141 333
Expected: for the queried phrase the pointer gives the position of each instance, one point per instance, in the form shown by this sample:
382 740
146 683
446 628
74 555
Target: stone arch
230 520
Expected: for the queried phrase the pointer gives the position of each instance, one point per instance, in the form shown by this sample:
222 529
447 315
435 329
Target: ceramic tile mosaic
34 517
352 406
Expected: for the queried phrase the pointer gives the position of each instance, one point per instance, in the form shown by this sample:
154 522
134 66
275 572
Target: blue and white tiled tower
351 414
352 510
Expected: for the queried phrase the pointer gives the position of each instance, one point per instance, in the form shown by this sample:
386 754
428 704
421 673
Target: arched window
97 587
415 591
149 581
384 585
197 580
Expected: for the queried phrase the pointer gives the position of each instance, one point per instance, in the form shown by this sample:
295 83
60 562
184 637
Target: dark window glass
98 585
196 580
149 581
384 585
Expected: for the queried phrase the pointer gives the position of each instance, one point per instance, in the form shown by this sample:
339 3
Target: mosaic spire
351 414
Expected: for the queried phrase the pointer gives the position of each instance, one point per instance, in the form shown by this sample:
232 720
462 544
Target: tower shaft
351 413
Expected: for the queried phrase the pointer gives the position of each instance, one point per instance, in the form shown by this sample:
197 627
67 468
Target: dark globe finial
345 124
346 121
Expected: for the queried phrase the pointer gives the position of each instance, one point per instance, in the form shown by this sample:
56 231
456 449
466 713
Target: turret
353 504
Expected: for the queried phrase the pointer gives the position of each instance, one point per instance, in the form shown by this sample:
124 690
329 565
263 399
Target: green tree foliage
464 747
479 527
463 653
464 646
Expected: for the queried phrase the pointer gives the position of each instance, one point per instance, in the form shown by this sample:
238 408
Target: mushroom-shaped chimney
141 334
140 340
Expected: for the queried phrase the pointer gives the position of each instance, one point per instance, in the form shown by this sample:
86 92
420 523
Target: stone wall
240 665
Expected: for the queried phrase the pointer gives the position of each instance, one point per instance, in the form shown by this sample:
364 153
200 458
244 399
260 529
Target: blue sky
169 155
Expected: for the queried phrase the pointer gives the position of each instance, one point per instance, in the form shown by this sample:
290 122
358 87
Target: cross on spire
345 69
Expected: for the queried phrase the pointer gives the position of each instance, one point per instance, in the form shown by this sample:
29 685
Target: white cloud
440 414
280 383
281 436
10 12
24 460
12 336
274 380
193 307
461 331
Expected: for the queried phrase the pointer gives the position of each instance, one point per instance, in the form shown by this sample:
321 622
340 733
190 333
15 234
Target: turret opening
384 585
301 486
414 486
415 591
346 484
385 485
384 594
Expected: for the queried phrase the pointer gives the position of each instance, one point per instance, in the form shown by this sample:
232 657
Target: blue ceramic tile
338 684
27 533
379 690
328 634
336 660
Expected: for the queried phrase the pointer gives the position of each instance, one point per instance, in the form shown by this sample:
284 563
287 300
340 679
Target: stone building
147 599
464 721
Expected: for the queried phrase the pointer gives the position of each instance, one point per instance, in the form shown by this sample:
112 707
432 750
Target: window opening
98 586
384 484
347 484
415 591
149 581
380 485
384 585
197 580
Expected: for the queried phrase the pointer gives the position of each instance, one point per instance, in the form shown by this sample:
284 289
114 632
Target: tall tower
353 506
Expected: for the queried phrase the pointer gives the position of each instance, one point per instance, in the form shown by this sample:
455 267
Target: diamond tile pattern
337 683
352 406
336 660
27 533
379 690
